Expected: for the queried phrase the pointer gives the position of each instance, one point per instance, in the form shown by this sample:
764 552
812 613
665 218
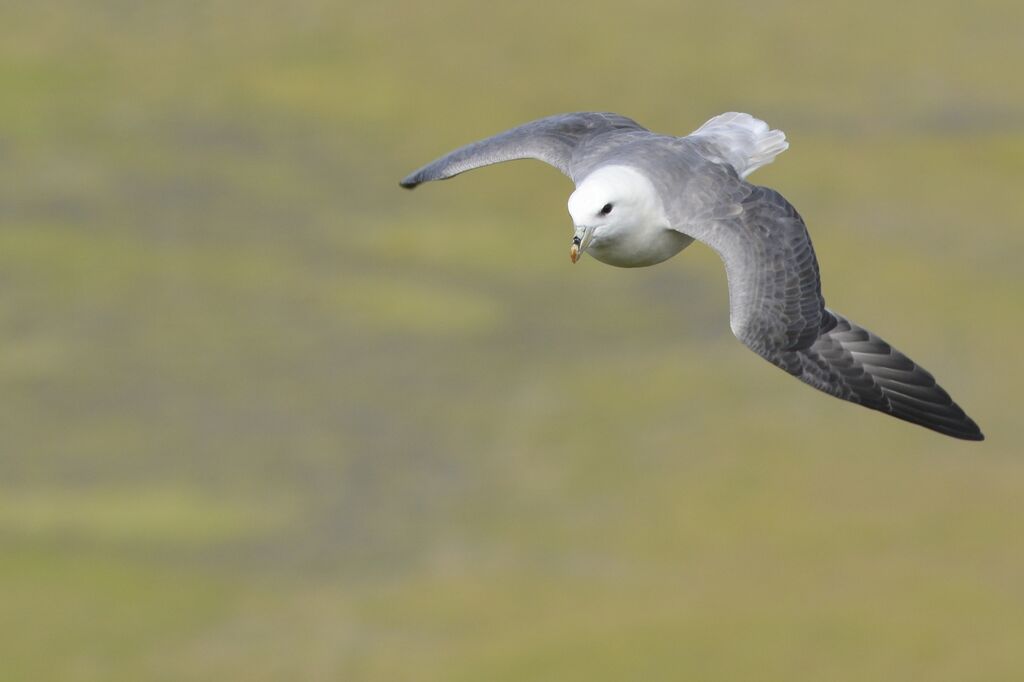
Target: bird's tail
851 363
744 142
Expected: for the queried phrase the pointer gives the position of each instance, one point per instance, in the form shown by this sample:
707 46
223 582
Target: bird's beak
580 242
574 250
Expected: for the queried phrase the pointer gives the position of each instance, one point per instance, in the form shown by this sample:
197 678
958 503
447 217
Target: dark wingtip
976 435
968 431
964 430
409 182
968 435
973 431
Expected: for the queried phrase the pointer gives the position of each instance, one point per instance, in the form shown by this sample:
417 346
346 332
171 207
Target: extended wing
553 140
777 310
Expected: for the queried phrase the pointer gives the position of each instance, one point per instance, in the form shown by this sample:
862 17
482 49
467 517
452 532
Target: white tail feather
744 142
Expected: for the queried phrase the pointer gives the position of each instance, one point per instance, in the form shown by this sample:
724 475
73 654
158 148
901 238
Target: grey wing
775 301
553 140
777 310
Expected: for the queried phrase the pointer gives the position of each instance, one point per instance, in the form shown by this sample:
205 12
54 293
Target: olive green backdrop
266 416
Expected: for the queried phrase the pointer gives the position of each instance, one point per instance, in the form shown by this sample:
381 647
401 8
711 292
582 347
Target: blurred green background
266 416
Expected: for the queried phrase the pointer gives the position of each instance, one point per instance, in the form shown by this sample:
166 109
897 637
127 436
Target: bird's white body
636 232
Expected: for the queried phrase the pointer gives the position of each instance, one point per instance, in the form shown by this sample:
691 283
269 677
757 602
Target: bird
642 197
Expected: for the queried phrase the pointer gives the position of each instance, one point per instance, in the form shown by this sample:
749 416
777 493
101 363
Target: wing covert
775 300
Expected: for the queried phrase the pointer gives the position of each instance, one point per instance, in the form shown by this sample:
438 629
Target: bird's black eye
606 209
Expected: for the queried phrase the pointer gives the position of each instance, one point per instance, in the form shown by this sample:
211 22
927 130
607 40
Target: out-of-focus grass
137 516
266 416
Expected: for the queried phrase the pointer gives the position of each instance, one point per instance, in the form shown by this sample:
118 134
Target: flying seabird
642 197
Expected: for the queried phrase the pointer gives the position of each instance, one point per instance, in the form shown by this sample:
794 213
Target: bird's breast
638 248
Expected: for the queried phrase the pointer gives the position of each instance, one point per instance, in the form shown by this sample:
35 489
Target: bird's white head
611 205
